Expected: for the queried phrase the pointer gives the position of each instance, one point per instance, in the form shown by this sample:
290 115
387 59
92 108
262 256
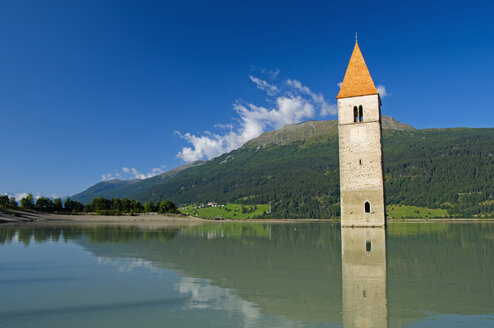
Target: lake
247 275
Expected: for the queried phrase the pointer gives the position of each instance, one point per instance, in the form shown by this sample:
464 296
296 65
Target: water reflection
203 295
96 233
271 274
363 257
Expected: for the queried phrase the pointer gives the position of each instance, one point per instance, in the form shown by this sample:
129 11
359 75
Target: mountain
103 188
116 187
179 169
295 169
313 130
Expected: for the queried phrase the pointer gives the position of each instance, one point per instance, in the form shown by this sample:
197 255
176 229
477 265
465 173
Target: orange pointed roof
357 81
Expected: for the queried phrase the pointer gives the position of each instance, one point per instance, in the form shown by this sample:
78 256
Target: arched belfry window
367 207
355 114
360 113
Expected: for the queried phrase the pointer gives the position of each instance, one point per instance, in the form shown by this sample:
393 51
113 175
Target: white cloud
290 104
106 177
273 74
224 126
253 121
20 196
382 90
127 173
340 84
270 89
325 107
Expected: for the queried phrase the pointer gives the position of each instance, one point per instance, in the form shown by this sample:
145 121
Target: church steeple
357 80
360 146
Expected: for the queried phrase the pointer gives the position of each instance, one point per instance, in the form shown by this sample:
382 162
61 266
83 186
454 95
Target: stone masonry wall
361 175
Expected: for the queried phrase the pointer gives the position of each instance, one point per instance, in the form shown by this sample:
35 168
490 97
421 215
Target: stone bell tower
359 131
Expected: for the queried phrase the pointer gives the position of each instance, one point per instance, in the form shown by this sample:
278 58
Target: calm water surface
247 275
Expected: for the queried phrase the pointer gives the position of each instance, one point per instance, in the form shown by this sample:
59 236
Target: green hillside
115 187
295 169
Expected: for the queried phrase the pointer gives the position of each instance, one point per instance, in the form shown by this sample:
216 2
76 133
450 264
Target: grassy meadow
242 212
228 211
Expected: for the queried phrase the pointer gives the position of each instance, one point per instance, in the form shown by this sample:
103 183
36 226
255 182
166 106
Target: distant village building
360 147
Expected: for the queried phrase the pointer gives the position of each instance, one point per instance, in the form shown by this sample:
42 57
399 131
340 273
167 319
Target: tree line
99 205
118 206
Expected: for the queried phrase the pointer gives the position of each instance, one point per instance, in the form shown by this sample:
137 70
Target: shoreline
38 217
14 217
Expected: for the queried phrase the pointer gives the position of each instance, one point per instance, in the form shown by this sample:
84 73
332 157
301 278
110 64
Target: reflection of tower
364 277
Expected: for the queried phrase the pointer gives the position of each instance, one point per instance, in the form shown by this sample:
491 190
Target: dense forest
450 169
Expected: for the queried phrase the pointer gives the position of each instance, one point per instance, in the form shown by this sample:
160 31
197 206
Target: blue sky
101 89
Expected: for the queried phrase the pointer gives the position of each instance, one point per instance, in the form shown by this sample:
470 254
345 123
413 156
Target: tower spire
357 80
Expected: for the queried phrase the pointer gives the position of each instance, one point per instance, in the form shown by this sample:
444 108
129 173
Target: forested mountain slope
295 169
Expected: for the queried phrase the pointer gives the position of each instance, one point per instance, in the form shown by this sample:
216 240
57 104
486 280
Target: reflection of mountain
442 268
295 270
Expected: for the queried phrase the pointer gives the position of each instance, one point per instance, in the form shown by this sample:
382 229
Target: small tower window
360 113
368 246
367 207
355 114
360 162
